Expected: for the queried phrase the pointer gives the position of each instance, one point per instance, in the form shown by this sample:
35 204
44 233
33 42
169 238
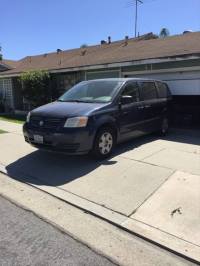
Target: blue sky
29 27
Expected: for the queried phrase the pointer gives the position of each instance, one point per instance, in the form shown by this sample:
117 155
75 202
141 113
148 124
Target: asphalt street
27 240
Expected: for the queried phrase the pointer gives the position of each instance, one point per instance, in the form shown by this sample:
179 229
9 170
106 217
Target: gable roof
116 52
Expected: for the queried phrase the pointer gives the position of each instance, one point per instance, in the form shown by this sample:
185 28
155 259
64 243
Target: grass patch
20 119
2 131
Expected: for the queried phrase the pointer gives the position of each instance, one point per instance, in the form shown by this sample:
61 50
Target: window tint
148 90
131 89
163 91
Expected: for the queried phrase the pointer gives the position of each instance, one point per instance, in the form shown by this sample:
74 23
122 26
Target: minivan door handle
141 107
147 106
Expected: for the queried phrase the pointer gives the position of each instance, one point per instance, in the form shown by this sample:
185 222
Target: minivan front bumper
67 140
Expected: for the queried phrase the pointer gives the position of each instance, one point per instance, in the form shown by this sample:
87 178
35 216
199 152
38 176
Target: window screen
148 90
163 91
131 89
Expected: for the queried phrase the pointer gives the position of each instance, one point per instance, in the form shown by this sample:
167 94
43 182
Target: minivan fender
107 120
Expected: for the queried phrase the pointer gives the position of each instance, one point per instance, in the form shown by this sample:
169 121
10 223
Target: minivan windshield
101 91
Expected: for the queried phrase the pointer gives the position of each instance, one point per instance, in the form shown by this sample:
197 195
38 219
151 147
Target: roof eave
113 65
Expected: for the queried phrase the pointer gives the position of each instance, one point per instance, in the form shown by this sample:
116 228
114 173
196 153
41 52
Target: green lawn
2 131
20 119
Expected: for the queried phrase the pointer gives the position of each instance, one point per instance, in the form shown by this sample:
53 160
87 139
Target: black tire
103 149
164 128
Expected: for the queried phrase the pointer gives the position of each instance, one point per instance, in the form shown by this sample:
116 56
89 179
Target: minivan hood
67 109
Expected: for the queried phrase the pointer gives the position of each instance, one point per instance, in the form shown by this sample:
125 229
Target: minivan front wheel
104 143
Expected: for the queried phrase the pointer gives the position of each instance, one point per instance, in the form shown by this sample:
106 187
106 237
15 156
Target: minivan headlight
76 122
28 117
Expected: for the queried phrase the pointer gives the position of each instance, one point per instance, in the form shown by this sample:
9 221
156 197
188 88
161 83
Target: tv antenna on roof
136 14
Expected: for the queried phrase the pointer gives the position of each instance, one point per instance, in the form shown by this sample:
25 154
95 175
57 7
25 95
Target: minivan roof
126 79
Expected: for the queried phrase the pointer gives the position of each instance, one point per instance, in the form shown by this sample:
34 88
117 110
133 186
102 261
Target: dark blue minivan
95 115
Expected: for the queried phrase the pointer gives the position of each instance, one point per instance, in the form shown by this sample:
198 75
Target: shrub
35 87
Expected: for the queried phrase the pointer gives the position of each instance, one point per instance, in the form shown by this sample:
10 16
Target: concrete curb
148 233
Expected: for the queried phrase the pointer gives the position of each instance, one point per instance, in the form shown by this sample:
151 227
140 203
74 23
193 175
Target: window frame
141 92
168 93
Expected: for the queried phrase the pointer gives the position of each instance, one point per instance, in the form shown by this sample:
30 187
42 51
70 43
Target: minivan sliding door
150 103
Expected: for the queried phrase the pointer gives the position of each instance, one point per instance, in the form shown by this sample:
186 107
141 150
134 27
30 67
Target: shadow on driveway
56 169
186 136
46 168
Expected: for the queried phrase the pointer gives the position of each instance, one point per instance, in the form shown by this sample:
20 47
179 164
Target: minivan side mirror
126 99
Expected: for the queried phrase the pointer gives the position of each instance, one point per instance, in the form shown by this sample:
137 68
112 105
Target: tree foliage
84 45
35 87
164 33
1 56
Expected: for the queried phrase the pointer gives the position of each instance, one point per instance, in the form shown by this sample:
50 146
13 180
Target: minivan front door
130 117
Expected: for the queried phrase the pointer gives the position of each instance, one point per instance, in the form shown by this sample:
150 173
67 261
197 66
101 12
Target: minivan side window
131 89
148 91
163 90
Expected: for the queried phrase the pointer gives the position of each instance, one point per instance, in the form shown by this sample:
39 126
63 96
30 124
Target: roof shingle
116 52
9 63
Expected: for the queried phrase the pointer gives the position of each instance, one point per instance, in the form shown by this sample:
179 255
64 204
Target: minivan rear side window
148 90
163 90
131 89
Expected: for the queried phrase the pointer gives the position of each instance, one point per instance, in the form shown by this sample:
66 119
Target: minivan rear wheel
104 143
164 126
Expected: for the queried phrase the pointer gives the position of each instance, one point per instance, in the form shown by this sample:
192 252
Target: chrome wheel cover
105 143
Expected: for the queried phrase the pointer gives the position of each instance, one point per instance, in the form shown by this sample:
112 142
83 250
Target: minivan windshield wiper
79 101
72 101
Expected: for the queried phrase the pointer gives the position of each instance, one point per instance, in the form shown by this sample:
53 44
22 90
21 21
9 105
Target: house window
102 75
2 92
6 93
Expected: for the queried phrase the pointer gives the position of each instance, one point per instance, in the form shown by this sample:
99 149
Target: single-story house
175 59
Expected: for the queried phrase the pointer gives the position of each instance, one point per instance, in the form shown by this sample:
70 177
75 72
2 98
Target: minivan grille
45 122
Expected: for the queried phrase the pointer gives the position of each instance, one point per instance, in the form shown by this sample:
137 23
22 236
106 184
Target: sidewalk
150 187
11 127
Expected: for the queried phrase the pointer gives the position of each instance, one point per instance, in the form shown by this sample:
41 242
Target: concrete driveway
150 185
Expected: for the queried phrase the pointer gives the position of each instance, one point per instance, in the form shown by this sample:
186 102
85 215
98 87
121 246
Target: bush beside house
35 87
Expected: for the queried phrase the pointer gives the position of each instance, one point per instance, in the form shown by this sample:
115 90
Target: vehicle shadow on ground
53 169
56 169
185 136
